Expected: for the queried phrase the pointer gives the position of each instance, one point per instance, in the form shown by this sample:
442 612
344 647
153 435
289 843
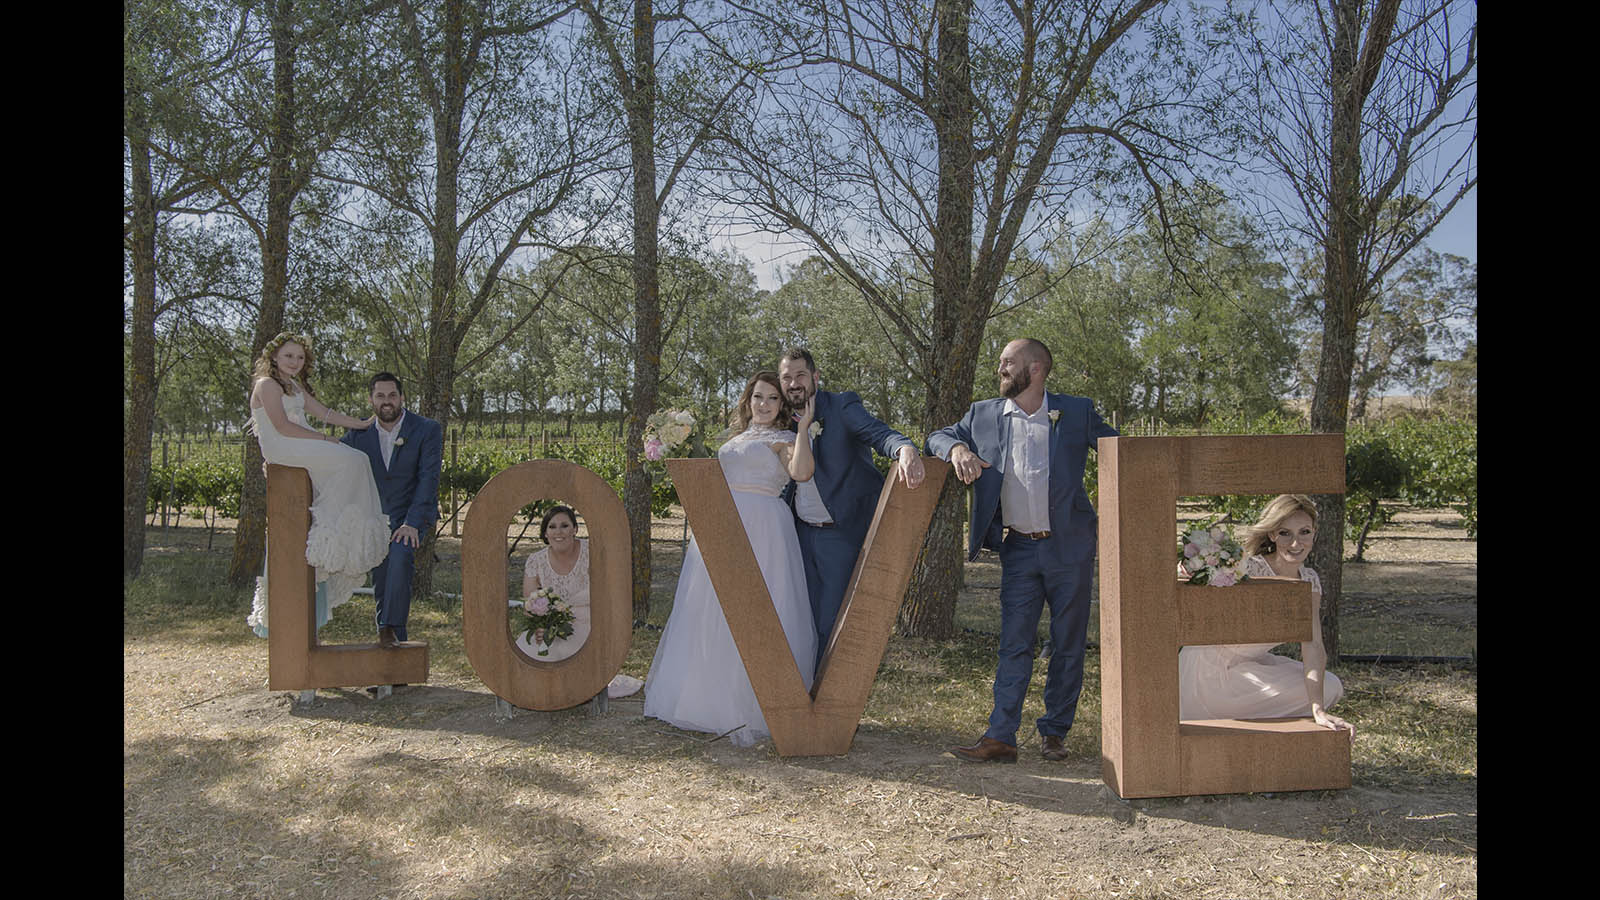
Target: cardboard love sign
824 721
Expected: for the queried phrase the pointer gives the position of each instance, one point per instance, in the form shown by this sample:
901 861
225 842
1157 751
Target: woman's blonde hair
266 365
1258 537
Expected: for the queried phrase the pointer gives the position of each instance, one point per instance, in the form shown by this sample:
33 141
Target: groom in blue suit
834 509
1026 450
406 451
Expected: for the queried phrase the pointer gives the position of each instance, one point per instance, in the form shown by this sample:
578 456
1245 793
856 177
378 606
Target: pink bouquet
544 609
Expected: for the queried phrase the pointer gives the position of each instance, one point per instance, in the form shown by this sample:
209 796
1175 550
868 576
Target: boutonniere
1055 416
399 441
815 430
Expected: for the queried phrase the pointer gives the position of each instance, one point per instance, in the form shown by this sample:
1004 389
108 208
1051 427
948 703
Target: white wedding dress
572 587
697 680
1248 681
349 533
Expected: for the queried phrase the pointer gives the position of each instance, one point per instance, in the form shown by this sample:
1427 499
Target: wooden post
167 494
1147 615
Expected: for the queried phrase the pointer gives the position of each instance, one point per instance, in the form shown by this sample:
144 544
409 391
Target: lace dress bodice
749 464
573 586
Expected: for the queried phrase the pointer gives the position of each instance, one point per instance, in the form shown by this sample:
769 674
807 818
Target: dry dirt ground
233 790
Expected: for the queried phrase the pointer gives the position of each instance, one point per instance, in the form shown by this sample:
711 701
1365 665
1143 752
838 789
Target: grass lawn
233 790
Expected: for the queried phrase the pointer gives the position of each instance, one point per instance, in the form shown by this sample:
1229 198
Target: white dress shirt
386 437
808 503
1025 490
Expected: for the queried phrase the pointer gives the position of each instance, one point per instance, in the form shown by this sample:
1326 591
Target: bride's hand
1329 720
808 412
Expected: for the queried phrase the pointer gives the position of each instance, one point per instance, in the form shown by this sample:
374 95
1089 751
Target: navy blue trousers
830 559
391 587
1030 578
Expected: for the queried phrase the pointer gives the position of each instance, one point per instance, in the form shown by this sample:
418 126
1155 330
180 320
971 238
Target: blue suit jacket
409 487
986 431
845 476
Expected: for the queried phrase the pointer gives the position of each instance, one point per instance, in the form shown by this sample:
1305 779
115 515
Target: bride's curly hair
1258 537
742 415
266 365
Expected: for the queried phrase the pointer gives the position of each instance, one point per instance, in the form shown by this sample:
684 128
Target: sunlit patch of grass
1389 634
185 590
944 689
1414 725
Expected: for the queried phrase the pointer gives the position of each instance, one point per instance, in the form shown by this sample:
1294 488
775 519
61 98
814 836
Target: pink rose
1189 550
1223 578
538 605
652 449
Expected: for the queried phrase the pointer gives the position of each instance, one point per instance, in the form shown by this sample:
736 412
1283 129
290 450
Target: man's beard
1014 386
797 397
394 414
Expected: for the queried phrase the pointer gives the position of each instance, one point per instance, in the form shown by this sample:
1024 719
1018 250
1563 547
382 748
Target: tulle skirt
697 680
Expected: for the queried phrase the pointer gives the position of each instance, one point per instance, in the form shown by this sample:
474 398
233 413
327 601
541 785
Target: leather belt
1031 535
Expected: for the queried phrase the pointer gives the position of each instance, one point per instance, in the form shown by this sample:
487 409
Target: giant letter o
503 668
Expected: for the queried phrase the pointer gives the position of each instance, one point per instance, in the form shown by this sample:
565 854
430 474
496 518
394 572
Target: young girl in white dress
349 533
697 680
1247 681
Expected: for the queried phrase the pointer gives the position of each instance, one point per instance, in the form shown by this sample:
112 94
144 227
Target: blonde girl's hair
1258 537
266 366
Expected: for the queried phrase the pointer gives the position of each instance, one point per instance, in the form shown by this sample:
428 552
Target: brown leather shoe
1054 747
386 637
987 750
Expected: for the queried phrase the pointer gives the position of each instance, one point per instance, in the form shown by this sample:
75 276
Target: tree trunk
641 109
1343 280
250 538
142 374
930 603
940 569
446 331
1366 527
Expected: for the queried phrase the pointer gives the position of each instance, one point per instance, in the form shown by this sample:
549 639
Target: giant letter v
801 725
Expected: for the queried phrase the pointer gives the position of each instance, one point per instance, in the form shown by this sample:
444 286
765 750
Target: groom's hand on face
968 465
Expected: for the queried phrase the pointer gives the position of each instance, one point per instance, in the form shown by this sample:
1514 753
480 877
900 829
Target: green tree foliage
1144 340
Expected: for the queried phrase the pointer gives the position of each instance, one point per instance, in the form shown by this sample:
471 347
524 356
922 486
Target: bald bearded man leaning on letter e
1026 452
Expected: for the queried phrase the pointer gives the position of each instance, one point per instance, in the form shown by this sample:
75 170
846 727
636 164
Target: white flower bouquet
1208 554
666 431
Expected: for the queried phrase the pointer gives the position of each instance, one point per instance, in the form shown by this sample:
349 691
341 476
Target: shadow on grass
193 814
1426 767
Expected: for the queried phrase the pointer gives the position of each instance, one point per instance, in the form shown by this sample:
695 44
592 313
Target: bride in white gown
697 680
349 533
